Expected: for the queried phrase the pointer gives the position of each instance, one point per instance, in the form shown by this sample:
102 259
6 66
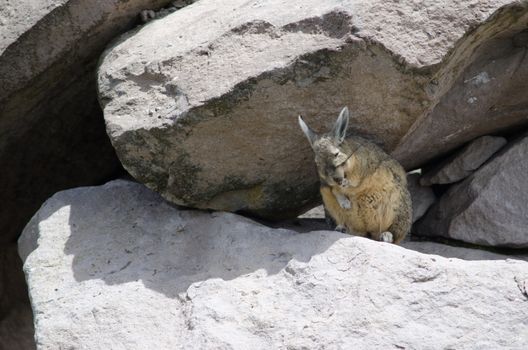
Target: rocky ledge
117 267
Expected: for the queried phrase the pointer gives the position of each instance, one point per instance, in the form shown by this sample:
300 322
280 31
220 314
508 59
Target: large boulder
489 207
488 96
464 162
116 267
52 132
201 106
16 318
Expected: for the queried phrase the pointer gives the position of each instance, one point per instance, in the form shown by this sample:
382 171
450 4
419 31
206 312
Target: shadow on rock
122 232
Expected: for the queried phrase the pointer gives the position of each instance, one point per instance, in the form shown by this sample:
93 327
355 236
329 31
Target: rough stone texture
115 267
149 15
489 207
487 97
422 197
201 106
16 318
52 133
448 251
463 163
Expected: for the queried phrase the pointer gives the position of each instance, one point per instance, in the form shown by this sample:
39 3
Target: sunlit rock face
201 105
117 267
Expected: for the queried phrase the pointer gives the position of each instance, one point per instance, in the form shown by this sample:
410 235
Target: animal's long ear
341 125
310 134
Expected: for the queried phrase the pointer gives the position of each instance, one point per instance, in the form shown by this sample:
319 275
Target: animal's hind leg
403 221
400 228
386 236
332 224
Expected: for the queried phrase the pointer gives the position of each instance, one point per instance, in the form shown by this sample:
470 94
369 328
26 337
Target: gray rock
52 133
148 15
182 3
201 105
115 267
16 318
487 96
422 197
489 207
463 163
449 251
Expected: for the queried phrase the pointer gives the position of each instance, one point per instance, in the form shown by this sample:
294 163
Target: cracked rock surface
201 105
488 207
116 267
464 162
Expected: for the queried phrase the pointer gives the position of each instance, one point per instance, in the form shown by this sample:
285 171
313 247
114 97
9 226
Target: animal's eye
336 154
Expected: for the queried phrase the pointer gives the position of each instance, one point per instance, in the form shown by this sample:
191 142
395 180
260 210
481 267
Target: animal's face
333 158
332 162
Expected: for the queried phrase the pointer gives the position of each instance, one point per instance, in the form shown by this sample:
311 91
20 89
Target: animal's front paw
341 228
386 237
343 202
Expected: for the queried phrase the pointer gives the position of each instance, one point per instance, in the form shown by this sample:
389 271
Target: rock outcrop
487 208
52 134
116 267
487 96
463 163
201 105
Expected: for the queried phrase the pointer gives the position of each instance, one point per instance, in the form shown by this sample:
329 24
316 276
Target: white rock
314 213
115 267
